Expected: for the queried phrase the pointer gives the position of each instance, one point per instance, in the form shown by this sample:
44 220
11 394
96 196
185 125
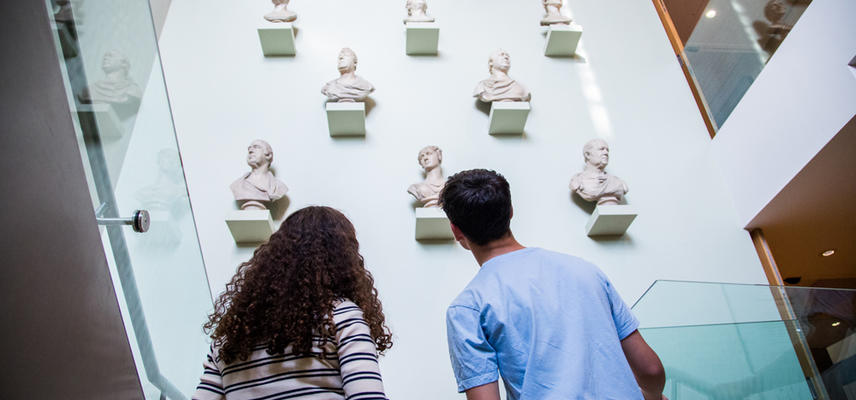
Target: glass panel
729 361
117 94
729 341
731 43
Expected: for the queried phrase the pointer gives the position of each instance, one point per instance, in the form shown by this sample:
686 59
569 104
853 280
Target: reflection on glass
729 341
116 88
116 91
729 47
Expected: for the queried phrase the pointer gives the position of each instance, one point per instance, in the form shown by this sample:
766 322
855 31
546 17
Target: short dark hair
478 202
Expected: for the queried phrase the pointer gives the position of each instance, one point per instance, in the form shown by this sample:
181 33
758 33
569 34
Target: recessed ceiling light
836 323
710 13
828 253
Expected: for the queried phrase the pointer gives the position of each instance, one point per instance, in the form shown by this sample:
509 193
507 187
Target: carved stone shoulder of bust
357 89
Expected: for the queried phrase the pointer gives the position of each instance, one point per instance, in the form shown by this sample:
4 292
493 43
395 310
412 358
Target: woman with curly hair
300 319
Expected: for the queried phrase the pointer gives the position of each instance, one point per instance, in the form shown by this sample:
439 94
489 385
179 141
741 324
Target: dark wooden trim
801 347
678 48
766 256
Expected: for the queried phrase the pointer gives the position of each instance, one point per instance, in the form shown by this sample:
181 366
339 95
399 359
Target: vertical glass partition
726 44
730 341
109 57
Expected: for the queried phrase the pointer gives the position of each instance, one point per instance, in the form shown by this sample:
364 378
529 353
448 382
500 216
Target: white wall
802 98
626 87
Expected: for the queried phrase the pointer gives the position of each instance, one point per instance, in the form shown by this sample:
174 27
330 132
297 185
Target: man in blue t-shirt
552 325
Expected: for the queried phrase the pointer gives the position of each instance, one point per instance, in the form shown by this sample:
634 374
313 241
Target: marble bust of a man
499 86
593 183
116 87
348 87
428 191
280 12
259 186
554 13
417 11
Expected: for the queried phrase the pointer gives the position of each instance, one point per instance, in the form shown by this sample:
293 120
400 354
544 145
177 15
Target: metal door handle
140 221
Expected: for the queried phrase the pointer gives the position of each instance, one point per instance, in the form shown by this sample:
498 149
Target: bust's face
775 11
256 156
346 62
416 7
429 158
112 62
552 4
598 154
501 61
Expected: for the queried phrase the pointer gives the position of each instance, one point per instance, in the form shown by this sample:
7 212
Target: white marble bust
281 12
259 186
348 87
428 191
554 14
116 87
593 183
417 11
499 86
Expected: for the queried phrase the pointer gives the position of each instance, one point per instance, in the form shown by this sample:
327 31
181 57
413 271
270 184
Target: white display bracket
610 219
346 119
562 40
508 117
277 39
422 38
250 226
432 223
105 118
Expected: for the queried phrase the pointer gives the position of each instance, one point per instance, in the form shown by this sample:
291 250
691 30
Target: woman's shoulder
346 307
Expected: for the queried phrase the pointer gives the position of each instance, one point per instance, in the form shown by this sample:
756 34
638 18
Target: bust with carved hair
280 12
499 86
348 87
428 191
259 186
417 11
593 183
553 14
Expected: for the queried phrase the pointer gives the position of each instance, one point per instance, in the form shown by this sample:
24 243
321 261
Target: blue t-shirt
551 324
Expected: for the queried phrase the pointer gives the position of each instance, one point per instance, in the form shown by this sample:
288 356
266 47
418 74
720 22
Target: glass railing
734 341
726 45
118 100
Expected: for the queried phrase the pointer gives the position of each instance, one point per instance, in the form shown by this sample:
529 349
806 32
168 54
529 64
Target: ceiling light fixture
836 323
710 13
828 253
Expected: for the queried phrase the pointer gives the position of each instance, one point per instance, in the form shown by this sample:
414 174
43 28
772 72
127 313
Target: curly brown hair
285 294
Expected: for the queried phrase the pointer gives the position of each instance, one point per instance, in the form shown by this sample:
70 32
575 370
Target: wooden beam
678 47
783 303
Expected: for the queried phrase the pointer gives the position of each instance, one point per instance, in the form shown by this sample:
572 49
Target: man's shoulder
550 257
504 272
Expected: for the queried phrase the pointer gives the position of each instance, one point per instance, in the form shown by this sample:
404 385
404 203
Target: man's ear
456 232
459 236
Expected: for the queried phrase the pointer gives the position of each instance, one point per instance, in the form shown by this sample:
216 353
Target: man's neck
496 248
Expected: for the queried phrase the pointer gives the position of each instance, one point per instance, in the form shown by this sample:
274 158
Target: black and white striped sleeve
211 383
358 362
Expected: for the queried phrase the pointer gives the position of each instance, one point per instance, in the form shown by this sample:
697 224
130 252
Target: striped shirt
349 370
